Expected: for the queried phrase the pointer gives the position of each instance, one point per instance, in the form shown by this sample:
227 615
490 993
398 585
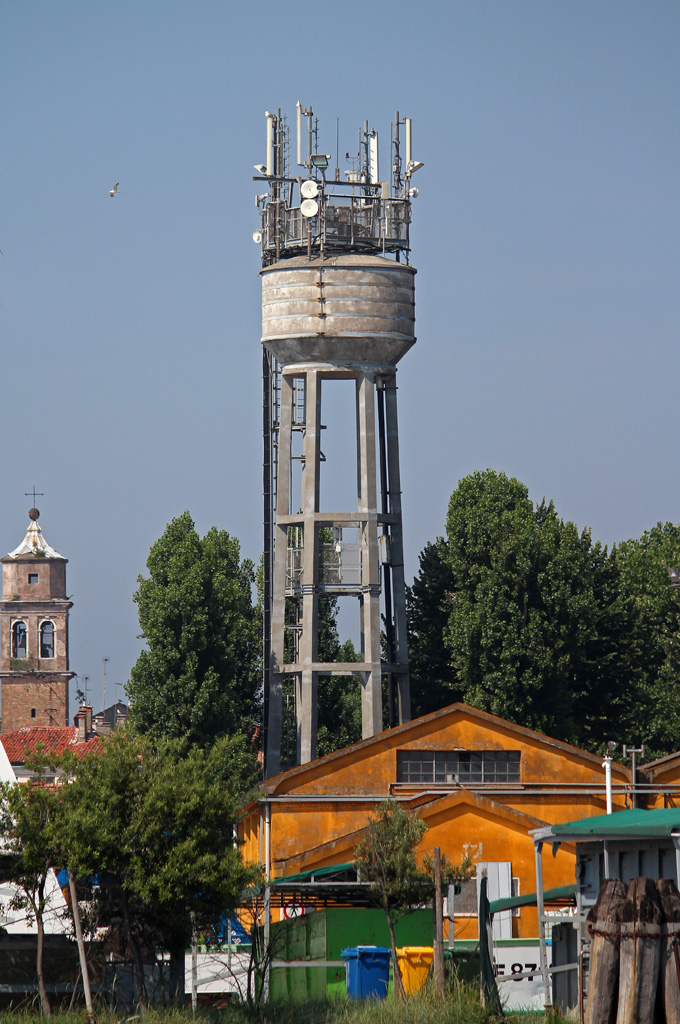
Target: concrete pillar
273 753
307 713
397 549
371 703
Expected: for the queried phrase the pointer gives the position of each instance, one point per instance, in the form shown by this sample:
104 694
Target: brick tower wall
38 701
34 691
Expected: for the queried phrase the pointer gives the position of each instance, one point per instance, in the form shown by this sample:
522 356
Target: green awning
623 824
314 875
335 885
559 893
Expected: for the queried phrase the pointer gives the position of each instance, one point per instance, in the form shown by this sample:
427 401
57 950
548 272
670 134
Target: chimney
83 721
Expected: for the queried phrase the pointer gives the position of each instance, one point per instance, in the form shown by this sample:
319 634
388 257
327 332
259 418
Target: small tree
386 857
28 815
154 820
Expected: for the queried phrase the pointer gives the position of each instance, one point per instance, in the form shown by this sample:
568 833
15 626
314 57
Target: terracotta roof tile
55 738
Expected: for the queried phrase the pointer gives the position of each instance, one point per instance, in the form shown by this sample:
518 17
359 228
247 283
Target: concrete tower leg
397 549
307 708
277 657
371 702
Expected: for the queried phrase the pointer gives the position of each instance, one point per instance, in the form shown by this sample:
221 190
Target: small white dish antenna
309 189
257 236
309 207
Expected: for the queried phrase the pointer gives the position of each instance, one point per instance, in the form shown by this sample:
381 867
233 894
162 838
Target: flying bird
115 190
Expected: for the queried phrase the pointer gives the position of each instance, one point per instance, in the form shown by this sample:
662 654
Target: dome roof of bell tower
34 542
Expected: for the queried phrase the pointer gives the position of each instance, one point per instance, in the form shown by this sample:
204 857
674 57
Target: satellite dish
309 189
257 236
309 208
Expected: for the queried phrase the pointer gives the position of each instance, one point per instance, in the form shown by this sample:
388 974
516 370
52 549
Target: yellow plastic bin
414 966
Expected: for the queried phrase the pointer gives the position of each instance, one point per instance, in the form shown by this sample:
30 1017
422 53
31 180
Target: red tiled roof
56 739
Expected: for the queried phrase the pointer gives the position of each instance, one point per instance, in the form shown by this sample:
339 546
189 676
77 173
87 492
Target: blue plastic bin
368 971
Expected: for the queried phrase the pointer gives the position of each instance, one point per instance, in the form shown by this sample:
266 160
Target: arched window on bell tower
19 639
47 639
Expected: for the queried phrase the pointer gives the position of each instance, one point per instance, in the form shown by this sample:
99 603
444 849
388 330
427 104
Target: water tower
337 306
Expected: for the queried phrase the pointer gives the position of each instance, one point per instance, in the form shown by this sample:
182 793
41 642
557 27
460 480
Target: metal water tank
344 310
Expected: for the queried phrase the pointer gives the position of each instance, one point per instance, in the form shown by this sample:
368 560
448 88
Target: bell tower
34 665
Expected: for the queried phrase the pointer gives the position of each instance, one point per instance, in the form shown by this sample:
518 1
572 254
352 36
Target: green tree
537 615
199 677
386 857
519 613
339 706
339 697
154 820
654 640
434 683
29 814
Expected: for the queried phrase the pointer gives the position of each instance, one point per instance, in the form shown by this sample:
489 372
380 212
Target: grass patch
460 1006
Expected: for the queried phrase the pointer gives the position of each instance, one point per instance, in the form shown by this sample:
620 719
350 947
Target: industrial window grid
462 767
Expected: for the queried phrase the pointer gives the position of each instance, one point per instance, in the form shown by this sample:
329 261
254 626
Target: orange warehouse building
479 783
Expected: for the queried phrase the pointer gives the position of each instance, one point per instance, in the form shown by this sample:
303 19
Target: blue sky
545 237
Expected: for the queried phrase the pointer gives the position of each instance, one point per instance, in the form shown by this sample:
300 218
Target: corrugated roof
55 739
334 885
626 824
557 895
310 876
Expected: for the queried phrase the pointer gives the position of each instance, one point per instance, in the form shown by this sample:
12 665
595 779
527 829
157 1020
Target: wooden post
194 964
669 969
603 925
640 951
438 958
75 910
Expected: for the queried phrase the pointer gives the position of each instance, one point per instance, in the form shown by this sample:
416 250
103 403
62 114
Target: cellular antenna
411 165
298 111
269 164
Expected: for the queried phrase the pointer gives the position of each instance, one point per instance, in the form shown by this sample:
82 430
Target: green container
322 935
